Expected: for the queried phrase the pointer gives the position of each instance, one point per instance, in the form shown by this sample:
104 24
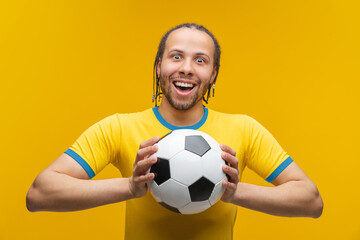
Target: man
186 68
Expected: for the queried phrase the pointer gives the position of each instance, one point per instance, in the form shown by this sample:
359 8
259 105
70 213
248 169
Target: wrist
238 197
130 189
123 190
244 194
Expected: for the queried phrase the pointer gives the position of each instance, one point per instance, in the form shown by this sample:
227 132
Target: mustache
183 77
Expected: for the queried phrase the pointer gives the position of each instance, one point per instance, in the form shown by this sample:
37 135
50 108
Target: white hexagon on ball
195 207
212 163
217 192
177 143
174 193
155 191
185 167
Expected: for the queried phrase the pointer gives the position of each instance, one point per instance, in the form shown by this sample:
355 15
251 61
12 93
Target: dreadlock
156 79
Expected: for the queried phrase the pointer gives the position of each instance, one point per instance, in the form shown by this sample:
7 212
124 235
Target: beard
182 104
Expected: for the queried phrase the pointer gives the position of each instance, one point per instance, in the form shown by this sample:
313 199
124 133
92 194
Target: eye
177 56
200 60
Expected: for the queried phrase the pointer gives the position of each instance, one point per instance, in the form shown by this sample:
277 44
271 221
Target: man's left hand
232 170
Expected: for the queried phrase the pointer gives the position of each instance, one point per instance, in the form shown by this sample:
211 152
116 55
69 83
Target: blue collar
173 127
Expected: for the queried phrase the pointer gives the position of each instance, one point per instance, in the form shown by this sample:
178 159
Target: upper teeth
182 84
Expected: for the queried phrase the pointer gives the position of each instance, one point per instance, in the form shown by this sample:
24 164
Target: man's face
186 68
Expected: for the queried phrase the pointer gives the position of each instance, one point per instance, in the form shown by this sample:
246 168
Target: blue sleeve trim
81 161
279 169
173 127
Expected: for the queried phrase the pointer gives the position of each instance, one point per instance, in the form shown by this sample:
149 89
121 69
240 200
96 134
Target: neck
181 118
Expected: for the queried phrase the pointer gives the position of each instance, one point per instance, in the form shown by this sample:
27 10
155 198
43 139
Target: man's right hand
143 161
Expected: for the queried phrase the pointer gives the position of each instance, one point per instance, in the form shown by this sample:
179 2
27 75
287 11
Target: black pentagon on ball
169 207
161 170
196 144
201 189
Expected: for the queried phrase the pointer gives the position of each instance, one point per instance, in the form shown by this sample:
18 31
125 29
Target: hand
143 161
232 170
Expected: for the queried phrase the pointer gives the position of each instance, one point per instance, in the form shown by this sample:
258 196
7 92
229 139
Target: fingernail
156 138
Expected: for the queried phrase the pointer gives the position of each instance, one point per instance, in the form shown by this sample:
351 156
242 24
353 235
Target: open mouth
184 87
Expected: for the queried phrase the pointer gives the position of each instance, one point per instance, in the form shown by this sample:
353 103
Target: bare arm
294 194
65 185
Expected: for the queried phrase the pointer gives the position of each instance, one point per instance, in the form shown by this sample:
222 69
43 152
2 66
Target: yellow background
292 65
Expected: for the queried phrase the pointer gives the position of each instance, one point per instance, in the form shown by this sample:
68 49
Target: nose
187 67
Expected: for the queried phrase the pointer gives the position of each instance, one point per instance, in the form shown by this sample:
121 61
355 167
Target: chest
130 140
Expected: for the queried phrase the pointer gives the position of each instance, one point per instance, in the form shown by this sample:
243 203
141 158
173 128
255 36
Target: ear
158 67
213 75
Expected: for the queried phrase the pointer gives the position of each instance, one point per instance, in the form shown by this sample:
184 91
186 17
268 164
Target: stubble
180 104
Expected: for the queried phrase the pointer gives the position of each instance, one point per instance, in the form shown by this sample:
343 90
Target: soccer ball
188 174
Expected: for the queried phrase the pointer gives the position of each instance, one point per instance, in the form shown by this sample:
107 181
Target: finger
143 165
229 185
228 149
232 172
144 178
231 159
149 142
145 152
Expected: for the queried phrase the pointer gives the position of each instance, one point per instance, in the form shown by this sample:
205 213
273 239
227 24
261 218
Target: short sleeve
265 156
96 147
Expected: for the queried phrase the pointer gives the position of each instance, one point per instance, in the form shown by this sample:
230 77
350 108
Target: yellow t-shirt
116 140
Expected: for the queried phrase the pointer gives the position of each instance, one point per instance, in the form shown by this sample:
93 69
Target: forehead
190 41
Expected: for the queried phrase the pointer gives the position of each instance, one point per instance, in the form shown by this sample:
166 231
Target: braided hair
156 79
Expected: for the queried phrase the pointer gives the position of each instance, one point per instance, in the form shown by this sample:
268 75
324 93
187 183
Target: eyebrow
181 51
